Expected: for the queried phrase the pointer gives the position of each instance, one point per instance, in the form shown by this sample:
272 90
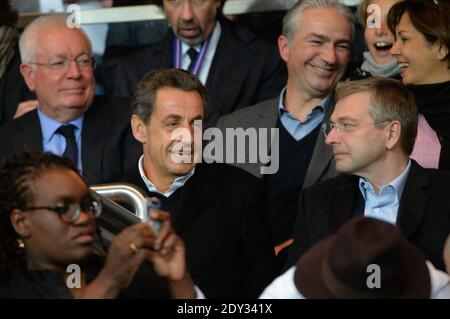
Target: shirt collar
397 184
177 183
323 104
49 125
213 41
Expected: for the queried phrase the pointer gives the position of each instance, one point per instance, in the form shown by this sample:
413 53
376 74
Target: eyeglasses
83 62
197 3
70 213
345 127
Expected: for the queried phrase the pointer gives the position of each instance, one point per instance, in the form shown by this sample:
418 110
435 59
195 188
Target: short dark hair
16 175
144 97
390 101
429 17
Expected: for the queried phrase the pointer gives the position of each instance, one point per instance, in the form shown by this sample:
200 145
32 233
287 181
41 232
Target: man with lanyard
237 68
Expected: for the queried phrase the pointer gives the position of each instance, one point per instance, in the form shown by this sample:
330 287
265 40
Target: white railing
152 12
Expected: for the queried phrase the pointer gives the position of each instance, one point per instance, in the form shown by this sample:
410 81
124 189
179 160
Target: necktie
71 150
193 56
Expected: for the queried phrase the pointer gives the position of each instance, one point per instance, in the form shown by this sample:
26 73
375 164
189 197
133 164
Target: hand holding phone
152 204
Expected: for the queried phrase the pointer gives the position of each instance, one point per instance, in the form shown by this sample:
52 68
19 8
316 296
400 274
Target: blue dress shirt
296 128
55 143
384 205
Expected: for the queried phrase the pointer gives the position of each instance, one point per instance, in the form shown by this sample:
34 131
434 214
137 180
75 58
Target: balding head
57 64
29 41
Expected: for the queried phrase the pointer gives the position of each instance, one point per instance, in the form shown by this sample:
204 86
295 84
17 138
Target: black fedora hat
341 266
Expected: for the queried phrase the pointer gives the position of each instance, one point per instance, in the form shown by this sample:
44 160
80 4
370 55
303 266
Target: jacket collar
411 209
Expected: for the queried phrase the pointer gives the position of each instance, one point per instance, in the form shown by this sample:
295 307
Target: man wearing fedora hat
367 258
372 132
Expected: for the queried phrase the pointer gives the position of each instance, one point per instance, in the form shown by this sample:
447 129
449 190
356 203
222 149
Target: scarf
385 70
433 101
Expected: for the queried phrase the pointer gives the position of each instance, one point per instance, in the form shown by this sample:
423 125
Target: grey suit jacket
264 115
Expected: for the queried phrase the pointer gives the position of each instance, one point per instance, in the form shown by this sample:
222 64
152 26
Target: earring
20 243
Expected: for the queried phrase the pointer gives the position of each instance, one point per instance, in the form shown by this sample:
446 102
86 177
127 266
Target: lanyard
177 56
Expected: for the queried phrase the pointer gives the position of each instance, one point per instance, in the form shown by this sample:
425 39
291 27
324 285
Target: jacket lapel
164 51
414 200
322 154
231 64
134 178
26 138
266 116
321 158
93 139
195 196
342 202
198 192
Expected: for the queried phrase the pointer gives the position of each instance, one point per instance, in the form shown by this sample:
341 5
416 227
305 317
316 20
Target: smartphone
152 204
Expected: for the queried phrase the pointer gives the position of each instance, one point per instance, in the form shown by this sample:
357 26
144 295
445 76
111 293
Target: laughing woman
377 60
422 32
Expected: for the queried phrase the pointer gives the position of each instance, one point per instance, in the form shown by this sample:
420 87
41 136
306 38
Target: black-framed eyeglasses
70 213
62 64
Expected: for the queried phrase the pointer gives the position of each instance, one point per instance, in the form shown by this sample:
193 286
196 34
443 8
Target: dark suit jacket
219 214
108 148
245 70
13 89
264 115
423 214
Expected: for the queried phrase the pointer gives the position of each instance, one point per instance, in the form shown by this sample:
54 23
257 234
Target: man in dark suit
218 210
15 98
372 132
95 134
315 45
237 68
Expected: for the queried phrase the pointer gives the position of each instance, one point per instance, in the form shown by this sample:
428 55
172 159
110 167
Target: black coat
46 284
13 89
219 214
423 214
108 148
245 70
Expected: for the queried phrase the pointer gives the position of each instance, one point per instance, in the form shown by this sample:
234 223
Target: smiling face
420 62
175 112
191 20
379 39
63 94
50 242
319 52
